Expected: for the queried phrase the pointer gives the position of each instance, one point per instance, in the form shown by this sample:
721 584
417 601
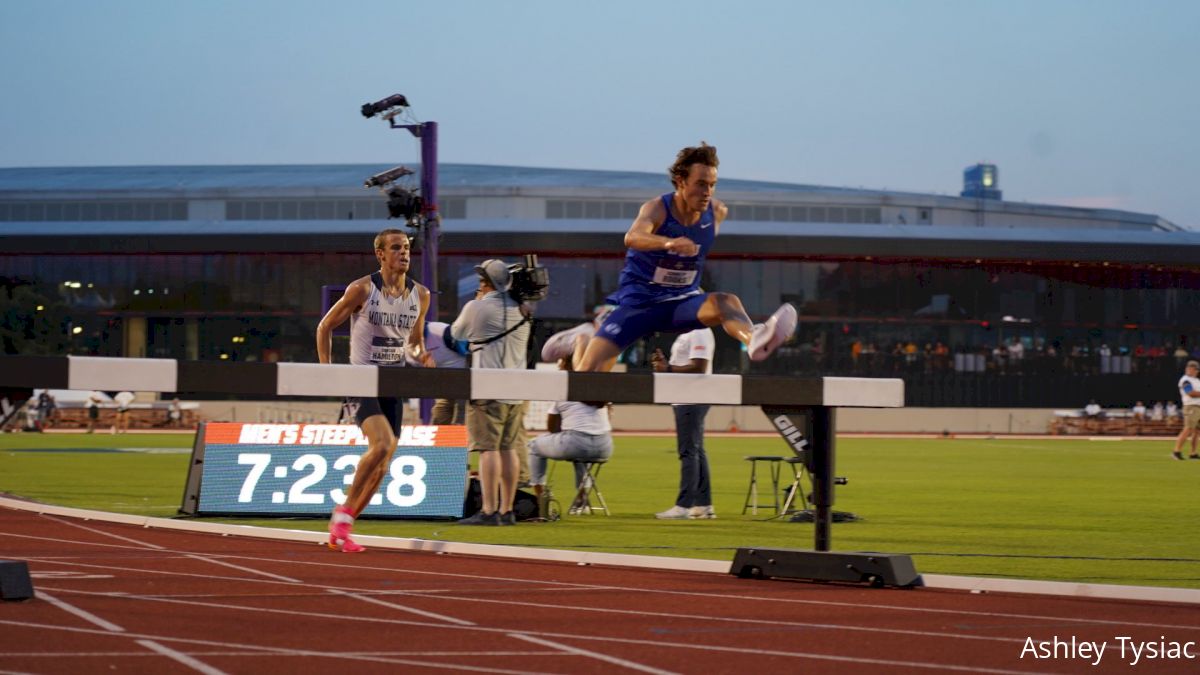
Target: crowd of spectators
1014 356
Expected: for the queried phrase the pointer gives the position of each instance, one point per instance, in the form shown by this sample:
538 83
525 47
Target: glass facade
265 306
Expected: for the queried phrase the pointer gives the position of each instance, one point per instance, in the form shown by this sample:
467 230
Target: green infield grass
1120 512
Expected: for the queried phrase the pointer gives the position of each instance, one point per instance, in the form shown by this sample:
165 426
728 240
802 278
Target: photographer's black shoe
481 518
509 518
1177 456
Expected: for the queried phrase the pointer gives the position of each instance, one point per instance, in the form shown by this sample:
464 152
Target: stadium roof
336 176
604 237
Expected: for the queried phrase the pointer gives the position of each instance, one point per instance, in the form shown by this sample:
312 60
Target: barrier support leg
821 447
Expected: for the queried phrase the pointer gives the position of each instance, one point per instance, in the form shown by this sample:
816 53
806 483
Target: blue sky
1086 103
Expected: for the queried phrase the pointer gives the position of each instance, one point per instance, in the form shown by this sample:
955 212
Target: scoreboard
298 470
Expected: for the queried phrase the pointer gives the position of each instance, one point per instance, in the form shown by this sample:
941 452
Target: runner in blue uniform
660 283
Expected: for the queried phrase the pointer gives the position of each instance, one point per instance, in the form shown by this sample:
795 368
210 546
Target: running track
114 597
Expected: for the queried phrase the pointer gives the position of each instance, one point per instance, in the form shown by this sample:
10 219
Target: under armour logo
612 328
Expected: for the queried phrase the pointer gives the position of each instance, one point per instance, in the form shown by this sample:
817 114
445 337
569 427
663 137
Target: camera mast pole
429 223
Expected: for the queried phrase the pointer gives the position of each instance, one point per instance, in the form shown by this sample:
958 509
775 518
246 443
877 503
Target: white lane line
591 655
114 628
650 643
708 595
186 660
783 624
244 652
75 542
81 613
251 570
1069 590
166 573
412 610
139 542
633 590
194 556
740 596
190 600
277 651
765 622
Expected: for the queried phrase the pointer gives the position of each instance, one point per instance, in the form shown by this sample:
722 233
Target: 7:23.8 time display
289 479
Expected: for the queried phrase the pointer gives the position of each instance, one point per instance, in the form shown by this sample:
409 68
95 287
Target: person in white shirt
1016 351
1139 411
447 353
579 432
93 409
1189 392
123 399
691 352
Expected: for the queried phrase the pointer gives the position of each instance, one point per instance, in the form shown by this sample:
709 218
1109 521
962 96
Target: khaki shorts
492 425
1191 417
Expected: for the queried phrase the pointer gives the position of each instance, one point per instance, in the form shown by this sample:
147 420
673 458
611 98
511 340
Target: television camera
530 281
403 202
390 107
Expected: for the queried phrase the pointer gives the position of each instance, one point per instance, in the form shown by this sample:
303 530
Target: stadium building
973 299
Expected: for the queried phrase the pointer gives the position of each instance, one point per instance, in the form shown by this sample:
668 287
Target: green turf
1106 512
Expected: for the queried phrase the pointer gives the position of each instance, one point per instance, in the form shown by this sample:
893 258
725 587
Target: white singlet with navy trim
379 329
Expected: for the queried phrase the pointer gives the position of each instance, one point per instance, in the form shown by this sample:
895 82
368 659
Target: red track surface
120 598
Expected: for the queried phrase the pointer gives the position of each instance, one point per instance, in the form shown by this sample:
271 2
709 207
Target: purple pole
429 250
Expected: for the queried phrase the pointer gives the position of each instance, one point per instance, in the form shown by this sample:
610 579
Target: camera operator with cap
498 328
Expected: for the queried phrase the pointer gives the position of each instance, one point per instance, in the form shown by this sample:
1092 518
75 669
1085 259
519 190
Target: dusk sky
1082 103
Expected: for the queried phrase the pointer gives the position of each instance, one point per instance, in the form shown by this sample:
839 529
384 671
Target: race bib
387 350
675 272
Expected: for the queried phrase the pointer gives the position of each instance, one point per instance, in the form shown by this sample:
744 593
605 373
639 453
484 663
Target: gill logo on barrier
328 434
790 433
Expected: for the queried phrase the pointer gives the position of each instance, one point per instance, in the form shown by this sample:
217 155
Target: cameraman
498 329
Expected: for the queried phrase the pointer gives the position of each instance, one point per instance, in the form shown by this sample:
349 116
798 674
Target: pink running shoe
340 525
767 337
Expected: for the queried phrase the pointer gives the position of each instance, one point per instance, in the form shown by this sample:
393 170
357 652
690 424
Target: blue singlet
660 291
661 276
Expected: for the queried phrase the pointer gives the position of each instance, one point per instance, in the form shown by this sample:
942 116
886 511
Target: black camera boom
389 176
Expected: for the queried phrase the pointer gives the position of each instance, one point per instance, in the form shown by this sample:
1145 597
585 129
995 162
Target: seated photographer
579 432
562 344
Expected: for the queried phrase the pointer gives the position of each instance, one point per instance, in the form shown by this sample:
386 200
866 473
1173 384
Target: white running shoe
702 512
562 343
767 337
674 513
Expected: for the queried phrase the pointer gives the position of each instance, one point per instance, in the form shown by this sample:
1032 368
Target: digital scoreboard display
306 469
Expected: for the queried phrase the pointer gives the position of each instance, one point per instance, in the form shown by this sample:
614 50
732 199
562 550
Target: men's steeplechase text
1123 647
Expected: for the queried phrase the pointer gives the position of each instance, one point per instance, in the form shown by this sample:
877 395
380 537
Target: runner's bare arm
356 294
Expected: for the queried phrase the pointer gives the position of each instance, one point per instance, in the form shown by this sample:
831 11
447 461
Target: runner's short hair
384 234
703 154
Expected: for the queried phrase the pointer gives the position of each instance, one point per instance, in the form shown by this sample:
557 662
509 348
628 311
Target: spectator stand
1112 422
